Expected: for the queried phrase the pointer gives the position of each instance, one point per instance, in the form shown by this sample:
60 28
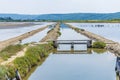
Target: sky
59 6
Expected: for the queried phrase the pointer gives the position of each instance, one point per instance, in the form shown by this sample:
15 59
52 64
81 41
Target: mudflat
9 25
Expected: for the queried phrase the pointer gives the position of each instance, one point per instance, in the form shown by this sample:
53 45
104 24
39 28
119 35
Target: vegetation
82 29
91 21
77 29
99 51
99 45
32 56
3 71
10 50
6 19
59 33
9 19
7 71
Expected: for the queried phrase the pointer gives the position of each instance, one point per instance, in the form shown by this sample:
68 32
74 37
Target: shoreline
14 40
110 45
34 68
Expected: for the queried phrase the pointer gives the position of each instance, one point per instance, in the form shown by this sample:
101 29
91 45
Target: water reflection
69 34
68 47
36 37
86 66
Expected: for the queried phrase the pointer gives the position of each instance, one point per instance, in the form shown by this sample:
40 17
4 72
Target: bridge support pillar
72 45
89 43
55 44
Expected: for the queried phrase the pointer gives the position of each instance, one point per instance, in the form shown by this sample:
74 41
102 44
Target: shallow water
88 65
69 34
37 37
13 32
92 66
107 30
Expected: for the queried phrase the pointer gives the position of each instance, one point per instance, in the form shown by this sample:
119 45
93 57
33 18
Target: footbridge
72 42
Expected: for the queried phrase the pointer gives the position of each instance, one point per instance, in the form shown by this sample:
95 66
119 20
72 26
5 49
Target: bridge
72 42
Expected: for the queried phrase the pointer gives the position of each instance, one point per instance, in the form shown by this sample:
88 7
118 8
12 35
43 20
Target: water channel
16 31
107 30
92 64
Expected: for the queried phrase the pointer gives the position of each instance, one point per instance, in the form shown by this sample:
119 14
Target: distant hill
71 16
19 16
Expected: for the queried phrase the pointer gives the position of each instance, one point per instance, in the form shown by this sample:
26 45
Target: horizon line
62 13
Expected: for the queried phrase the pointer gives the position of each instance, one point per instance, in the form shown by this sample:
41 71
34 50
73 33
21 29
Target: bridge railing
72 42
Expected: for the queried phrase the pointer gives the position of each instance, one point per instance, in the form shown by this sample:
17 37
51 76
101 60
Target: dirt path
52 35
19 54
110 45
14 40
12 58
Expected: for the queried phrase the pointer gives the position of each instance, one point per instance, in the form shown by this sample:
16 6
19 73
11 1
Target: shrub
82 29
32 56
22 65
10 50
99 51
100 45
59 33
3 72
8 71
77 29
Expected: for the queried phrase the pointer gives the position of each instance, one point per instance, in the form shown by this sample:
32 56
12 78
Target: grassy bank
33 56
10 50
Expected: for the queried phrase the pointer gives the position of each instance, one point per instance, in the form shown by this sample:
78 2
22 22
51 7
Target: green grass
32 56
82 29
10 50
59 33
8 70
3 72
77 29
100 45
